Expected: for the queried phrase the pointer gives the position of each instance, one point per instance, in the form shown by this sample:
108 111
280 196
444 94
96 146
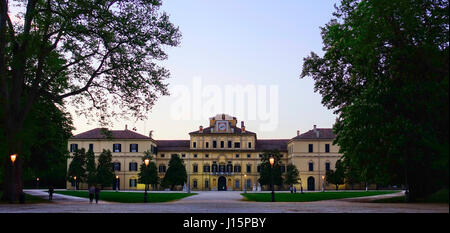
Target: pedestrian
91 193
295 189
97 194
50 192
291 189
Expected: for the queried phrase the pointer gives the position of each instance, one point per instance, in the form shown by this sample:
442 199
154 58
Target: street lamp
272 161
37 183
245 183
13 158
323 183
117 183
75 179
146 162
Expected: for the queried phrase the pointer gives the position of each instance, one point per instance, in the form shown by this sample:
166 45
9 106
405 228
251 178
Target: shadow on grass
130 197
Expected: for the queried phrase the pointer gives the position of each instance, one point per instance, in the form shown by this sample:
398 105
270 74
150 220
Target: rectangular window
116 166
249 168
237 155
327 166
237 145
327 148
311 167
133 183
249 145
133 147
222 144
206 155
214 144
91 147
194 145
258 168
248 156
195 155
73 147
207 144
195 168
283 168
133 166
229 144
310 148
117 147
237 184
206 184
206 168
162 155
183 155
195 184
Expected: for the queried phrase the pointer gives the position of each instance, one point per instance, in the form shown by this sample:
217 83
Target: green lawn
441 196
28 200
310 196
129 197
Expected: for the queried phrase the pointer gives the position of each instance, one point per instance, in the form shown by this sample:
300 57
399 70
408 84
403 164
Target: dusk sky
257 44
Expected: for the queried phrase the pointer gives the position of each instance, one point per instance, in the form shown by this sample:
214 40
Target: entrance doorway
311 183
222 184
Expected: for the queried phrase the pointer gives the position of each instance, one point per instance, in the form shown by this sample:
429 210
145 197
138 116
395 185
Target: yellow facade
221 156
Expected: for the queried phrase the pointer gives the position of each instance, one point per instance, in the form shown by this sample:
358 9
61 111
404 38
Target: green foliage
336 176
105 173
176 172
148 175
91 170
267 171
292 175
77 167
385 72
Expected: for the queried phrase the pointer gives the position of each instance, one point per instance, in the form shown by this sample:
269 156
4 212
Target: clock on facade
222 126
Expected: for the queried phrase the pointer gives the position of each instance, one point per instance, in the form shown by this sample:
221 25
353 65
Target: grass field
311 196
29 199
129 197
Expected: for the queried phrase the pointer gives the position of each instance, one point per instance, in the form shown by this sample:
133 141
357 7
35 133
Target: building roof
99 133
235 129
271 144
173 145
317 133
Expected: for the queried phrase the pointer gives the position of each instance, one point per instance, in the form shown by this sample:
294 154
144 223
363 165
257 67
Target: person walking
50 192
91 193
97 194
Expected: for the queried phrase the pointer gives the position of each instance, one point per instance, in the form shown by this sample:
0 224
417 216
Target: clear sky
229 44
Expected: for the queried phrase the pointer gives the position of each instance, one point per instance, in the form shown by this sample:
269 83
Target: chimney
298 132
201 129
242 126
126 127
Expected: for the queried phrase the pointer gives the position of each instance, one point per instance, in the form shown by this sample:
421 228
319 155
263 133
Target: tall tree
292 175
105 172
77 167
385 72
148 174
91 54
336 176
91 170
267 173
176 172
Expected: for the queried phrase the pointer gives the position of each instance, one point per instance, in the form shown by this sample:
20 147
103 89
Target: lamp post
13 158
117 183
323 183
146 161
272 161
245 183
75 179
37 183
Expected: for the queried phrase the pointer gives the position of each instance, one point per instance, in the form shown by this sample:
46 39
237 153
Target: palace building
221 156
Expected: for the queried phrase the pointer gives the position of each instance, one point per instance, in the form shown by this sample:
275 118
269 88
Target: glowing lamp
146 161
271 161
13 158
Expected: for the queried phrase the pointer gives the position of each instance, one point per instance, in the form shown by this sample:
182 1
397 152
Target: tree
176 172
336 176
77 167
148 175
292 175
91 54
266 172
91 170
385 73
105 172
